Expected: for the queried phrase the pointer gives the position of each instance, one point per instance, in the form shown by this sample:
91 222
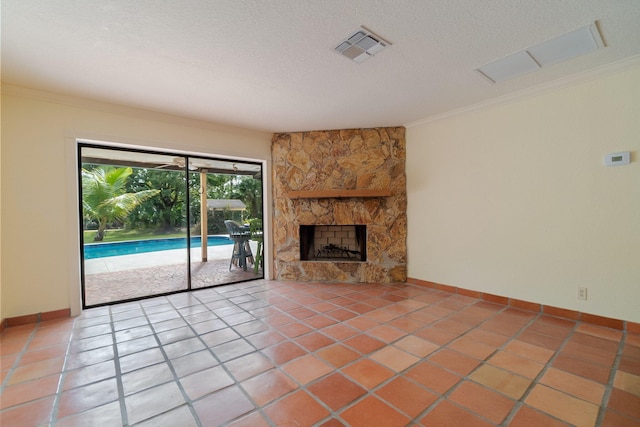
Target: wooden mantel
337 194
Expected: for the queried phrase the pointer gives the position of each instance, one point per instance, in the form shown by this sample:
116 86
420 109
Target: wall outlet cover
582 294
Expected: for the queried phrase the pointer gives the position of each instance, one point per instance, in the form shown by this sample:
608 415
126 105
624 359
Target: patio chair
241 248
257 235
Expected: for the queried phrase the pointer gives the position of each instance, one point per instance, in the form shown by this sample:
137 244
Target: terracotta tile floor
268 353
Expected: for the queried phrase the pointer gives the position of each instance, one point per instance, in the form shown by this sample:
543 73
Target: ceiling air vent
361 45
561 48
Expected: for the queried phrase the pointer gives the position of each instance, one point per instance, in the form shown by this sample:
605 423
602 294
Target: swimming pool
101 250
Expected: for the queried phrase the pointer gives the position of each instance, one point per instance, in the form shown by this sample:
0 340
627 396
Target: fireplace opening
333 243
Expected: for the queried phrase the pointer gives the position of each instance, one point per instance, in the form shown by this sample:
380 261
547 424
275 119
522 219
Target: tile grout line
16 362
63 374
371 391
519 402
602 410
278 367
167 360
445 396
257 408
118 370
293 296
536 381
442 396
290 339
116 359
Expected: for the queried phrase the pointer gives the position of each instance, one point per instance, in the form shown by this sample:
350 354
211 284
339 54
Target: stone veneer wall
341 159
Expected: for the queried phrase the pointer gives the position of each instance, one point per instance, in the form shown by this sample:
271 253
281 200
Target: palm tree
104 198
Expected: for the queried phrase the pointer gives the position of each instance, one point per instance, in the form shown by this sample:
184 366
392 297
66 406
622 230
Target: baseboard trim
622 325
29 319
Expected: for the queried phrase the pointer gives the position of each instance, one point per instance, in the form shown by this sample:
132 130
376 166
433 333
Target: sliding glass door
154 223
224 191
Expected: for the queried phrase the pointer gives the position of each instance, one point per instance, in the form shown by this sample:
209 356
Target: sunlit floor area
125 277
265 353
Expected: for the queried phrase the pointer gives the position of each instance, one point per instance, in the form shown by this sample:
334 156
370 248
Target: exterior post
203 213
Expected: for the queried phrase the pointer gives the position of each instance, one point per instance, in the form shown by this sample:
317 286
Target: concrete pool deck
157 258
124 277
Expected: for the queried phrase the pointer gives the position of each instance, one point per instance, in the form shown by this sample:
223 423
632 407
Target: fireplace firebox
333 243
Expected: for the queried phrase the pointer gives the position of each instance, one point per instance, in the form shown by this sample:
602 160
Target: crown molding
593 74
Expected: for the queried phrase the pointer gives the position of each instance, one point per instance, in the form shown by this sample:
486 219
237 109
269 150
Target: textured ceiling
270 65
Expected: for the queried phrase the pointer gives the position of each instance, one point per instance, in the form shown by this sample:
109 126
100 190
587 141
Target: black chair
241 248
257 235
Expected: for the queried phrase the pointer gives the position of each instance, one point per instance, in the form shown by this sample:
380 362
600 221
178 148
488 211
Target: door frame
72 155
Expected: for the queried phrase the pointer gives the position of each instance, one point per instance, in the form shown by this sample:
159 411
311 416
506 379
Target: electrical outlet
582 293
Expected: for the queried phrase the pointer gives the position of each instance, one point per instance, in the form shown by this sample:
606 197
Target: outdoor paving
126 277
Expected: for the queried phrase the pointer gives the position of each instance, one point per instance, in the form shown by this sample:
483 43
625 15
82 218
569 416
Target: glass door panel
224 191
154 223
134 224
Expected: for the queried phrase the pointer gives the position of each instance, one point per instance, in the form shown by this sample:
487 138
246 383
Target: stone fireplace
340 205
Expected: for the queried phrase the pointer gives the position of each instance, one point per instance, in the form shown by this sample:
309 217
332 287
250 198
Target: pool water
101 250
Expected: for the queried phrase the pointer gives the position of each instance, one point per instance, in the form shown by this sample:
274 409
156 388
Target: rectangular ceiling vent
361 45
558 49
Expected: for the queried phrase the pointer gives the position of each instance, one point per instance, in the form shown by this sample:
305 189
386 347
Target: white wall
1 314
40 264
514 199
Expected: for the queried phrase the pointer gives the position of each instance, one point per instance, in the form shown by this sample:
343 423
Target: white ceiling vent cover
361 45
561 48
